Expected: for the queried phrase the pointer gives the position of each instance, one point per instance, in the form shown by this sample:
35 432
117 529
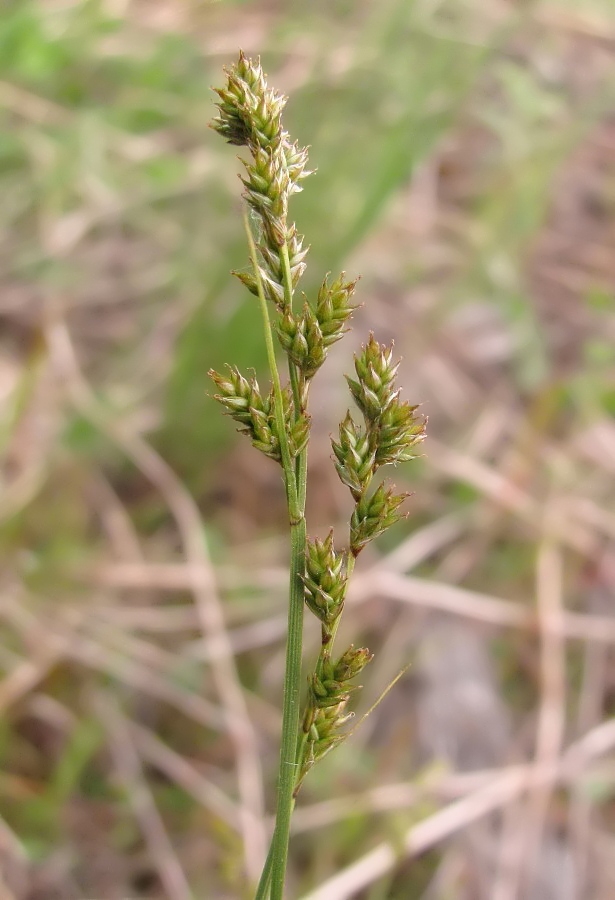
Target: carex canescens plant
277 422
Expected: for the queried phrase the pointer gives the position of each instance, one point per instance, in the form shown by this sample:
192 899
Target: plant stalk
291 711
296 383
275 868
262 891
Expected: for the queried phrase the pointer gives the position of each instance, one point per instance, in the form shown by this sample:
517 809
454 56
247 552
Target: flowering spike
243 402
325 579
250 115
354 457
302 340
373 515
333 308
373 389
397 432
329 693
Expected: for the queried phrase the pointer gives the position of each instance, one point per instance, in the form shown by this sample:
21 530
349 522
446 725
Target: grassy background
464 156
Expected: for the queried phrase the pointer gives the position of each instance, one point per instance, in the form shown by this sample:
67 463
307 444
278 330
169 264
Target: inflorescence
250 115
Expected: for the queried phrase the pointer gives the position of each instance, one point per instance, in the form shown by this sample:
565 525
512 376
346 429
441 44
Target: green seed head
373 515
333 308
354 457
373 389
325 579
397 432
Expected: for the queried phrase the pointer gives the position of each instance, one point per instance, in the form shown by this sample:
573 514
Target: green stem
290 714
296 381
295 478
262 891
287 776
301 475
294 510
287 279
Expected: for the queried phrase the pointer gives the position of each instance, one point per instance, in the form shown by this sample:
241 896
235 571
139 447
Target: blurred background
465 156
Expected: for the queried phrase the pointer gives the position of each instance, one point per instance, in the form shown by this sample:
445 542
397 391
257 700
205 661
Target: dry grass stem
481 607
381 580
389 797
203 586
524 826
130 775
180 771
503 790
69 643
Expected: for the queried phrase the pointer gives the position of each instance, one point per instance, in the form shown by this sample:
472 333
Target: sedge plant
278 424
